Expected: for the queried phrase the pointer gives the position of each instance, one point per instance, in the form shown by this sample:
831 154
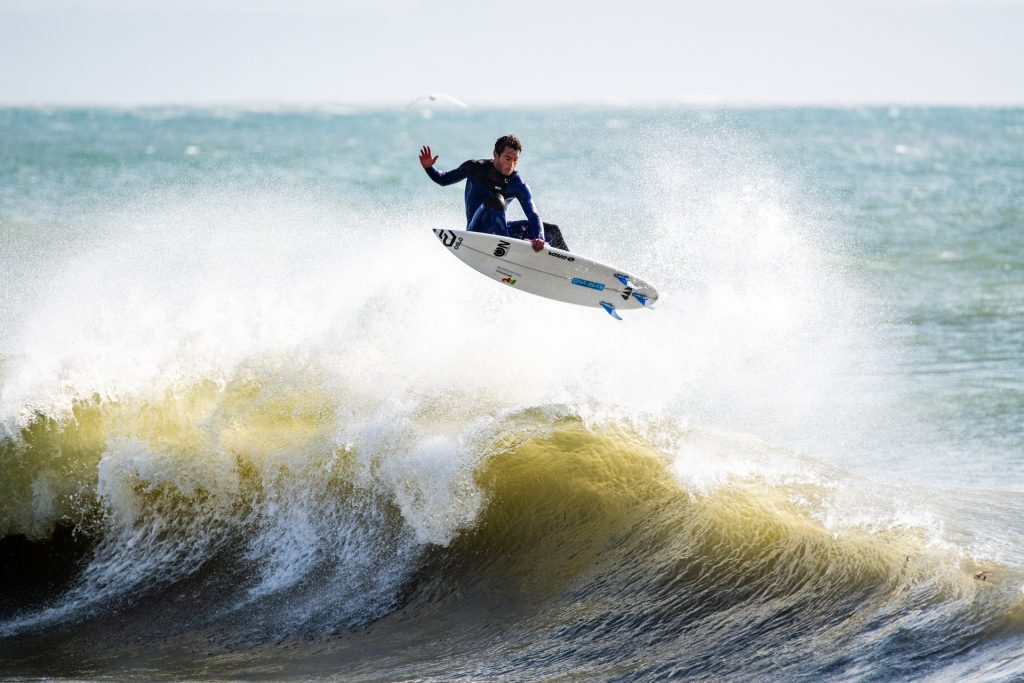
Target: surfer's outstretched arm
427 161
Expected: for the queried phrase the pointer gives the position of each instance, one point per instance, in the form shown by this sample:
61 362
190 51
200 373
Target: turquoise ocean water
255 423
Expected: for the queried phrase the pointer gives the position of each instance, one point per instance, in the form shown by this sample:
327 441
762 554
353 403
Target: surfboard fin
643 300
623 279
611 310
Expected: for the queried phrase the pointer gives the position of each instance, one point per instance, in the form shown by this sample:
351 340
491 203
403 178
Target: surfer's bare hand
538 244
426 160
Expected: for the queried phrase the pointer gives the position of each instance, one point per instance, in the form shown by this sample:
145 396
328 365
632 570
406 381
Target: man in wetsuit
489 184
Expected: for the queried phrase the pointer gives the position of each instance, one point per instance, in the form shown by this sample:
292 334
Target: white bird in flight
438 97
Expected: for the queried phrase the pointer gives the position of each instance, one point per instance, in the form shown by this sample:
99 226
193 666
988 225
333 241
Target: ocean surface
256 424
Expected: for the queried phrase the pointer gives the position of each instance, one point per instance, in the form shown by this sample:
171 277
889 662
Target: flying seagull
438 97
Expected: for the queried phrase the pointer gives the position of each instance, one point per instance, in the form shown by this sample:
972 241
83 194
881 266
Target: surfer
490 183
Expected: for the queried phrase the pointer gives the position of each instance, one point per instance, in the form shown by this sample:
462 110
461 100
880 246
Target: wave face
255 423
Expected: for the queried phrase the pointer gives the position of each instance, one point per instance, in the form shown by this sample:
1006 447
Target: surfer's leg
489 221
553 236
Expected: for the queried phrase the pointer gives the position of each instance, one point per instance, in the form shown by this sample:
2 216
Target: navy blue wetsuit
483 180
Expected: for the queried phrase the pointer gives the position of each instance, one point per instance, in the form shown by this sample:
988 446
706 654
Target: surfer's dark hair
507 141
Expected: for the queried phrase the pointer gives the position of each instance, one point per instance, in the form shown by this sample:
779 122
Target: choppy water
257 424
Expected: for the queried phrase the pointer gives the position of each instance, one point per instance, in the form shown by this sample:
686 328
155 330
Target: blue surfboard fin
623 279
643 300
611 310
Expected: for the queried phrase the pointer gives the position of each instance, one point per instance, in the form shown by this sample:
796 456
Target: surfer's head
506 154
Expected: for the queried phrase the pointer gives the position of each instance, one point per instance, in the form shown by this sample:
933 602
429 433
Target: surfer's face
506 161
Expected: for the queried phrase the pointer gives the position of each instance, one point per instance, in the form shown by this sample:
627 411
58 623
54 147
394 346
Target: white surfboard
551 273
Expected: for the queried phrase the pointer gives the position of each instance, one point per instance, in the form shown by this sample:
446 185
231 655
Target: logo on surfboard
447 237
587 283
561 256
502 248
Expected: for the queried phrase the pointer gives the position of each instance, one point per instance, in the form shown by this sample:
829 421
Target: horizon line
257 104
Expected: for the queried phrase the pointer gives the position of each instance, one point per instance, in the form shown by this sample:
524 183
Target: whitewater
256 424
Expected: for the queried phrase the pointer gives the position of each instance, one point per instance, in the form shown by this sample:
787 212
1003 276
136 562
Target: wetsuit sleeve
448 177
525 198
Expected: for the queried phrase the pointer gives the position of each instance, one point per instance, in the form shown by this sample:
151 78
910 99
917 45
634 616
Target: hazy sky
508 53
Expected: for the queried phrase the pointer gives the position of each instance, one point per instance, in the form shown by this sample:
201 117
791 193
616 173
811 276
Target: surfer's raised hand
426 160
538 244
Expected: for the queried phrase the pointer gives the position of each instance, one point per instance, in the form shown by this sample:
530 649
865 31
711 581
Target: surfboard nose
447 237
